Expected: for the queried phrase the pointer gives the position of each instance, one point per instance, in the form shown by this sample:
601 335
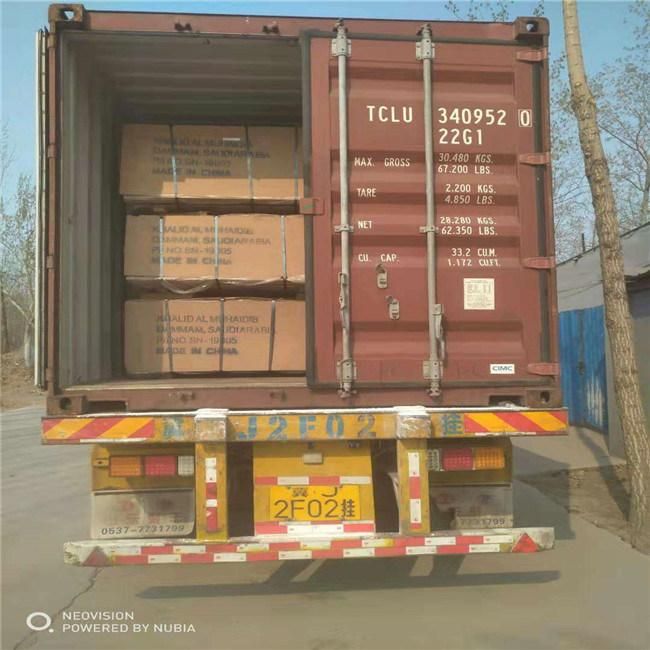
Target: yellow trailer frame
209 431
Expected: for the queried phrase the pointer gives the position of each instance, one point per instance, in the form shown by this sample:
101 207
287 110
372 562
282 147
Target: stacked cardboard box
223 251
203 172
214 335
225 165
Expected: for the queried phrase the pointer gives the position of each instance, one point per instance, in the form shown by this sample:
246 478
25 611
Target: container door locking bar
432 367
341 48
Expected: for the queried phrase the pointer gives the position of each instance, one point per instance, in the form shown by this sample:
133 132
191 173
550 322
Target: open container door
431 262
40 227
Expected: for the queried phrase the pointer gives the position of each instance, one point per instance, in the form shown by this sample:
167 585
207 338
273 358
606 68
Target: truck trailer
361 406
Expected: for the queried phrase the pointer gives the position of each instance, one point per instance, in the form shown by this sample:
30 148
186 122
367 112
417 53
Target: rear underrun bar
190 551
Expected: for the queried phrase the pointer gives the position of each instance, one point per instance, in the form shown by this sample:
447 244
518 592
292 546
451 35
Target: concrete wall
580 286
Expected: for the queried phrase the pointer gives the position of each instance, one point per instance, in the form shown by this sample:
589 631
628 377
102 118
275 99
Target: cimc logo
39 621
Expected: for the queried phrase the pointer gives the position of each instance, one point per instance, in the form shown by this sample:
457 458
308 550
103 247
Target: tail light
489 458
160 465
125 466
458 459
151 465
186 465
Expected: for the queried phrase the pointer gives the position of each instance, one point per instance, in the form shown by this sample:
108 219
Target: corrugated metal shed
582 355
580 291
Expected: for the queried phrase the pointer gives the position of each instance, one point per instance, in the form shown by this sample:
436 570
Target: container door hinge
535 158
533 56
431 370
341 46
51 150
425 47
66 16
540 263
310 205
346 371
49 262
543 368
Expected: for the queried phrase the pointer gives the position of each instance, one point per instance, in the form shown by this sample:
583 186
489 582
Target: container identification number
476 116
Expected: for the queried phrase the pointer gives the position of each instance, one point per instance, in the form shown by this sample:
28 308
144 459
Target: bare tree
572 208
486 10
17 236
622 91
7 156
617 313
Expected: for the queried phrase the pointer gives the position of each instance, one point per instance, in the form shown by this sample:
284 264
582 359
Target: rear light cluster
167 465
463 459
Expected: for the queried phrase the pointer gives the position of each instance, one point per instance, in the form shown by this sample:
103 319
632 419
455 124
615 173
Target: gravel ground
601 495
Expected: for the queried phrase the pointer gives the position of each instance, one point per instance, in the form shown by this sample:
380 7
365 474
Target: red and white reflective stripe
106 552
301 528
415 489
313 480
211 503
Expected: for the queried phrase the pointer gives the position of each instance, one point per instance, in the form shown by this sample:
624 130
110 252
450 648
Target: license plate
315 503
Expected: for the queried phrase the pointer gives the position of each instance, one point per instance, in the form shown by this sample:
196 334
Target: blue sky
606 29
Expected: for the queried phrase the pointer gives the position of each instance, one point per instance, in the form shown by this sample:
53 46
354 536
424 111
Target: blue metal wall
582 355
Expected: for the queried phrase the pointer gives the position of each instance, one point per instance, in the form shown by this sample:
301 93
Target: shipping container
430 310
482 247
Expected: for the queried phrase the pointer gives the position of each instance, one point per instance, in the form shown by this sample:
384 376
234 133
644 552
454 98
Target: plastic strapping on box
166 283
215 220
283 234
249 164
222 332
295 163
272 335
168 325
161 242
172 148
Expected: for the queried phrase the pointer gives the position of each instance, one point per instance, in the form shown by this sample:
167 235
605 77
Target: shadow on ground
351 574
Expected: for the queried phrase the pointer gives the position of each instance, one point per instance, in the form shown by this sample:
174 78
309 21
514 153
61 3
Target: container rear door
491 191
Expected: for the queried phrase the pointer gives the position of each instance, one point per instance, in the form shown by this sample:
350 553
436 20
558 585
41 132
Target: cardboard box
182 251
213 336
231 163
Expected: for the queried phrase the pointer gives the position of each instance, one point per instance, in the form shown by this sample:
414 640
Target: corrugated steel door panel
582 354
487 208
